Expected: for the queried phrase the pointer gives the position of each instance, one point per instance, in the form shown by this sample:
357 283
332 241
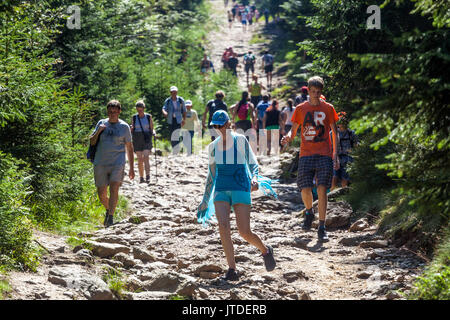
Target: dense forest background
393 83
55 82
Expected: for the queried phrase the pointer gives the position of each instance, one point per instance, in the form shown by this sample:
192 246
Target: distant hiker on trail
261 111
230 18
245 112
211 107
272 123
244 20
266 15
250 18
302 97
249 64
191 125
255 90
228 53
317 153
234 11
257 15
286 115
114 140
233 63
174 110
348 140
206 65
142 130
267 63
232 175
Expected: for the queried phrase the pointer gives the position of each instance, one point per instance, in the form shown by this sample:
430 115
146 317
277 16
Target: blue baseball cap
220 117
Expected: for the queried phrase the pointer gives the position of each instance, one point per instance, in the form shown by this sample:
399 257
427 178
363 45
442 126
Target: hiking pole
156 162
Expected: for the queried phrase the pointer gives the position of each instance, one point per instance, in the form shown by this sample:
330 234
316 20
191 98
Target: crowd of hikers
254 125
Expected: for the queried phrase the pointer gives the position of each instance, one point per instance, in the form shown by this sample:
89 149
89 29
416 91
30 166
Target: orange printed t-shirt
315 122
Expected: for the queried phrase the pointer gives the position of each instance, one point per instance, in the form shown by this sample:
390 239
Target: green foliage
15 228
54 86
434 284
114 279
392 82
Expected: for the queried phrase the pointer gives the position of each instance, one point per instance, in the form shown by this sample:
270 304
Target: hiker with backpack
112 136
232 176
174 109
233 64
245 113
267 63
318 155
249 64
142 130
211 107
348 140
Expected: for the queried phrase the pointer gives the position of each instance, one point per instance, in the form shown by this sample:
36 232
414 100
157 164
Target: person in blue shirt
174 109
261 111
233 174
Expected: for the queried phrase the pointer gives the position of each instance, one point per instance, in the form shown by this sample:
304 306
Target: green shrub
16 249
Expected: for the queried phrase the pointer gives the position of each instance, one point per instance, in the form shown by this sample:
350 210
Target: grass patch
115 281
5 288
258 38
434 284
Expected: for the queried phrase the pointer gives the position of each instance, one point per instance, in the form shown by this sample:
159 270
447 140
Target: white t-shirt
289 115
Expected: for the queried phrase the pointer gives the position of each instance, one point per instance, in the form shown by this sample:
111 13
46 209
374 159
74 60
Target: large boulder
73 277
106 250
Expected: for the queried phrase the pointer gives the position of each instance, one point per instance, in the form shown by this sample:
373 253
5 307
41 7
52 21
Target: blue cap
219 117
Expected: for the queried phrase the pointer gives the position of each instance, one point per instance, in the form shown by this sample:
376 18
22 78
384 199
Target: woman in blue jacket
233 174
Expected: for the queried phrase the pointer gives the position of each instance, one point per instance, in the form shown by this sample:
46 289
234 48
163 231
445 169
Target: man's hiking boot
322 234
106 217
109 221
231 275
269 260
147 179
309 217
142 180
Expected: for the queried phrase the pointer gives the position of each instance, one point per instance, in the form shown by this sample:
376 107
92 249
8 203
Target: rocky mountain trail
160 251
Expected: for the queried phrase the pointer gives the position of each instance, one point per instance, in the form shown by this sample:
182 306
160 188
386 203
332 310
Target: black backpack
213 107
90 155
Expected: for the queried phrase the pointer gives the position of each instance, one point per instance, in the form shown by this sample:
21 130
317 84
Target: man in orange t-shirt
317 158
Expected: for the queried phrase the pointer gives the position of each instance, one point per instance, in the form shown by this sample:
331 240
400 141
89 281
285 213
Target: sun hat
188 103
173 88
220 117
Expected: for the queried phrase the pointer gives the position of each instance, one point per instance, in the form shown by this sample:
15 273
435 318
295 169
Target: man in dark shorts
249 64
316 117
267 61
233 62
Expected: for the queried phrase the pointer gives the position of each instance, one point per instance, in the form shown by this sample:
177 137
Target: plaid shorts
318 167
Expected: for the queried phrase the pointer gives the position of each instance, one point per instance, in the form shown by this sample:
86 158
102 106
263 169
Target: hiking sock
322 224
